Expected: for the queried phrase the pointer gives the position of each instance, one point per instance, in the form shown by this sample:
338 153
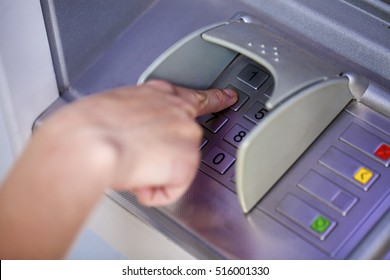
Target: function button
212 122
368 143
363 175
305 216
219 159
236 135
320 224
349 168
327 192
203 143
252 76
383 153
242 98
256 112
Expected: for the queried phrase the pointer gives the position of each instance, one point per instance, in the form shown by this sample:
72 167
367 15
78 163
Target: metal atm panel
298 169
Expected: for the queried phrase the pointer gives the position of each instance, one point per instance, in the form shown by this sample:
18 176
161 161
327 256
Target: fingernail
229 92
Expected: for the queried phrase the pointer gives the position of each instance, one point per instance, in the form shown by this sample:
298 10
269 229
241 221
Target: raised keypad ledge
349 168
306 216
368 143
327 192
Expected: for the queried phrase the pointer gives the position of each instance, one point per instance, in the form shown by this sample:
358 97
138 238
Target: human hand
142 139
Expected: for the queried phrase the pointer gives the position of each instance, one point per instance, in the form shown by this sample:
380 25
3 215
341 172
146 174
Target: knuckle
161 85
211 99
219 97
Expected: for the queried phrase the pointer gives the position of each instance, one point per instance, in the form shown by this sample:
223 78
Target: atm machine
298 168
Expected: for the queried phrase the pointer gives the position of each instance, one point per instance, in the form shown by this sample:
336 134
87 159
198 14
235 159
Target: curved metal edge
169 52
276 143
292 67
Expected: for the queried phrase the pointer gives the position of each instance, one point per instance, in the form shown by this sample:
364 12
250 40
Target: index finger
208 101
202 101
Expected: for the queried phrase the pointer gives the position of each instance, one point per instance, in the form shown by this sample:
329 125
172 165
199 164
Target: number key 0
219 159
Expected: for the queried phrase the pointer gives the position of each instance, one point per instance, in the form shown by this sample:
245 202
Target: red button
383 152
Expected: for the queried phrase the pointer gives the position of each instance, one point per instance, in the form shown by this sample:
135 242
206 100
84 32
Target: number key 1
252 76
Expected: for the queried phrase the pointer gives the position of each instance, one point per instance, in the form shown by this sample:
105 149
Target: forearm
48 195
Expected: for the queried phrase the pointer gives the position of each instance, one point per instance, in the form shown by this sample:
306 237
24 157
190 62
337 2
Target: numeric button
212 122
256 112
219 159
242 98
236 135
252 76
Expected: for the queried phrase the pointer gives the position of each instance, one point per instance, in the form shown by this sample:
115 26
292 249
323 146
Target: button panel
338 180
224 131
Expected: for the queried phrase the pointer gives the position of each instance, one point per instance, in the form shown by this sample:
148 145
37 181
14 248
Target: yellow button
363 175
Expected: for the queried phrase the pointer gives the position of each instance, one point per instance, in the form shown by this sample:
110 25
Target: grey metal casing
209 223
300 119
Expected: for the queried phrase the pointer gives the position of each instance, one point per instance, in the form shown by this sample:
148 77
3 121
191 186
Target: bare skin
114 139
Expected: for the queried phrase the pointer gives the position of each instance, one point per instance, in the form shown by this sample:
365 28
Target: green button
320 224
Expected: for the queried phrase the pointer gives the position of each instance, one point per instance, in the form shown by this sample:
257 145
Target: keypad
224 131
